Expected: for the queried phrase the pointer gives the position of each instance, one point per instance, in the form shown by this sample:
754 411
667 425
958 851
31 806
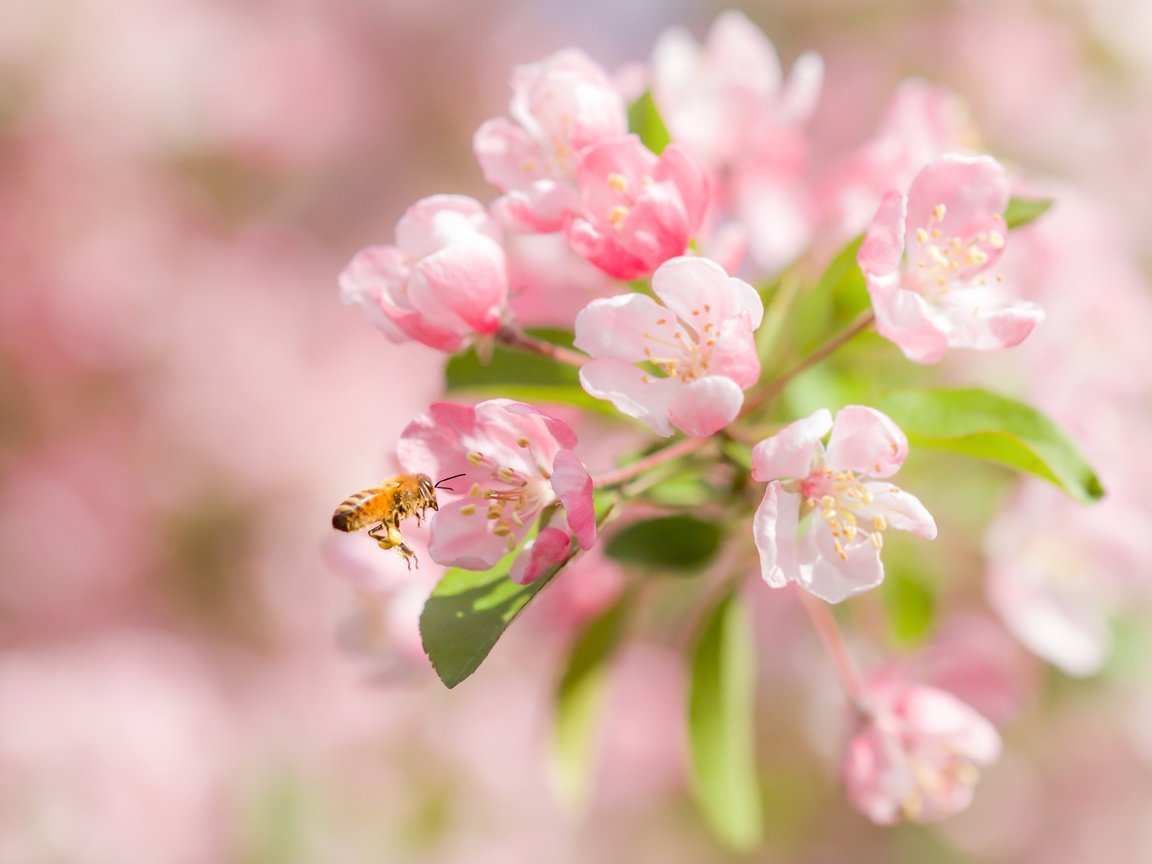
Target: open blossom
916 752
559 106
700 341
727 103
516 461
443 283
637 209
837 553
928 259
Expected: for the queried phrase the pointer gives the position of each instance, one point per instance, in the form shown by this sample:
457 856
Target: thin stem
675 451
777 386
515 338
829 633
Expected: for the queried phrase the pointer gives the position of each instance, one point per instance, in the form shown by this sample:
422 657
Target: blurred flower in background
183 400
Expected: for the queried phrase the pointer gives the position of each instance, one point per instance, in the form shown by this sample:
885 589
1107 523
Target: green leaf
644 119
579 699
721 728
1021 211
911 605
843 275
521 375
982 424
467 614
680 542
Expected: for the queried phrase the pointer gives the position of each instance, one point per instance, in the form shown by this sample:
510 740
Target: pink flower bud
443 283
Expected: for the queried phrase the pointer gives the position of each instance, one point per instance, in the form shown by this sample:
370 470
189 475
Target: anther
475 457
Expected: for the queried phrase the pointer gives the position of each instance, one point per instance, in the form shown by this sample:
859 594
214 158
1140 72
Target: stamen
475 457
618 182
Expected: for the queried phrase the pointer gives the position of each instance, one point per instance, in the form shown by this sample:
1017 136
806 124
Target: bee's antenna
445 480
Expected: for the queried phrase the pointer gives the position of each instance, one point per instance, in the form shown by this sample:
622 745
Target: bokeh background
184 674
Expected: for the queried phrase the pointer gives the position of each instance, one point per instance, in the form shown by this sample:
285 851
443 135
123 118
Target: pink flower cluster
671 332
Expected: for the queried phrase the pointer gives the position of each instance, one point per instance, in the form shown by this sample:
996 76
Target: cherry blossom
837 552
681 363
928 257
559 106
637 209
916 752
444 283
517 465
726 102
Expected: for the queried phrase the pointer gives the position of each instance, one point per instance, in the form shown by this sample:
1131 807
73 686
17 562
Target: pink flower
637 209
838 554
726 102
445 281
559 106
700 339
916 753
517 464
927 257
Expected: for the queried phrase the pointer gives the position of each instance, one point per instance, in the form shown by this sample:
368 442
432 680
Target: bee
385 506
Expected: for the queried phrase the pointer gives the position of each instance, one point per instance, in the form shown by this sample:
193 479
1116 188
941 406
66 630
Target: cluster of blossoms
668 243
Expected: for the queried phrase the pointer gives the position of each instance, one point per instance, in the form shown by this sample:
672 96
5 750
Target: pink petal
789 453
705 406
462 287
372 278
734 355
432 443
901 510
867 442
434 222
463 540
614 327
539 555
604 250
632 391
700 293
883 245
876 775
990 326
774 530
935 714
503 149
974 190
573 486
906 319
824 573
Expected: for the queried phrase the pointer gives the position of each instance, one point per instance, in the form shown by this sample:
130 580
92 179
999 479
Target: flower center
676 350
509 498
944 260
841 498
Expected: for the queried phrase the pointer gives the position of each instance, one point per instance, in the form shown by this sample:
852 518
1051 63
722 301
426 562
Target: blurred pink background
183 401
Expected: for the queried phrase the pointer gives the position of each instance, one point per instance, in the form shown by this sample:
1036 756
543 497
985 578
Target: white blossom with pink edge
517 463
916 752
444 282
837 553
700 339
637 209
928 259
559 106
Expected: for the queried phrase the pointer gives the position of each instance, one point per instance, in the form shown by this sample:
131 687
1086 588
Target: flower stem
675 451
777 386
829 633
516 338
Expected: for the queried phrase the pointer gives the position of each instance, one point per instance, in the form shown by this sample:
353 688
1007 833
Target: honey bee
385 506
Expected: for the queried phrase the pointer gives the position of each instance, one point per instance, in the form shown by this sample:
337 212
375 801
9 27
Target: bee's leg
409 556
386 536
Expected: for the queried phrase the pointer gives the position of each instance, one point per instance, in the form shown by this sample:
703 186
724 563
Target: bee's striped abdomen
359 510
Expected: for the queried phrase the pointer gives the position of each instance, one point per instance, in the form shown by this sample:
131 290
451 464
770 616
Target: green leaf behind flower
988 426
579 698
680 543
644 120
468 613
1021 211
721 726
